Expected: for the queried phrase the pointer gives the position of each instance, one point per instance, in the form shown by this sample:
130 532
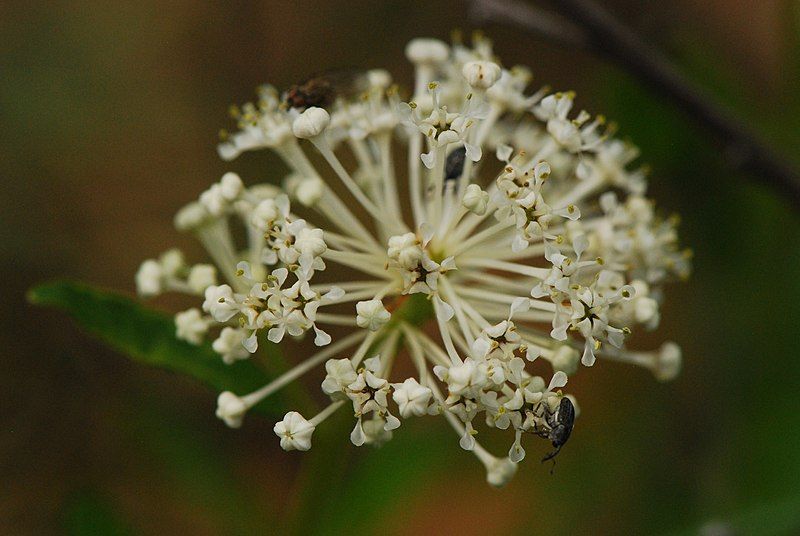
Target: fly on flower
324 89
515 230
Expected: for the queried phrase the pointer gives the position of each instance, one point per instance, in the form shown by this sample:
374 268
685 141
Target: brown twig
550 27
588 25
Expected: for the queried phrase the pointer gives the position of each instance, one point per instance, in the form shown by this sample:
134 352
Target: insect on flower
323 89
512 230
559 426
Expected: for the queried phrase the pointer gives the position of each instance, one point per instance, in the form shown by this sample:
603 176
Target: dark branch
592 27
550 27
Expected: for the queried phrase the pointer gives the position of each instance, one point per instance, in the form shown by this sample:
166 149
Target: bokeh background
109 113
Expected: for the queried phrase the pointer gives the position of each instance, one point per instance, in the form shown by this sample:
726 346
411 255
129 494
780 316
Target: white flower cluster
547 251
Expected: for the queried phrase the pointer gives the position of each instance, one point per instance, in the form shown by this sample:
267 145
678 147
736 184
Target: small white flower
372 315
148 278
220 302
669 362
406 250
310 244
231 409
230 346
411 397
190 326
295 432
201 276
476 200
340 374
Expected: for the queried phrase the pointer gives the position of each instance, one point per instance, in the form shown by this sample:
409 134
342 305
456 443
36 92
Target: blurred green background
109 112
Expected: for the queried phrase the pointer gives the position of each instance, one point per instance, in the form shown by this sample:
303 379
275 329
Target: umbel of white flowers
527 229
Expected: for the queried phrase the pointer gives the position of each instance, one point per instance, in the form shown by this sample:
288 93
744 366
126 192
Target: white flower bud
148 278
640 208
481 74
213 200
372 432
411 397
295 432
228 151
565 359
190 217
340 374
379 78
190 326
201 276
668 362
405 249
500 471
172 261
475 199
311 123
310 242
646 310
426 51
371 314
309 191
229 345
265 214
231 409
231 186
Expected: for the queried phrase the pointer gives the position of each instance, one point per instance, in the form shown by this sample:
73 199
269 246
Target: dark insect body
454 165
322 90
561 424
559 427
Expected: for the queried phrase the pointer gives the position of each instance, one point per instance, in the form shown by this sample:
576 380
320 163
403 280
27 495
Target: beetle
559 424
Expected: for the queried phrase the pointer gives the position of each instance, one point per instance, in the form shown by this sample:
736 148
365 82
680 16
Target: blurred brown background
110 112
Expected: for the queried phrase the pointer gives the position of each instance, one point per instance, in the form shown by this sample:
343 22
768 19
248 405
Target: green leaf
148 337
